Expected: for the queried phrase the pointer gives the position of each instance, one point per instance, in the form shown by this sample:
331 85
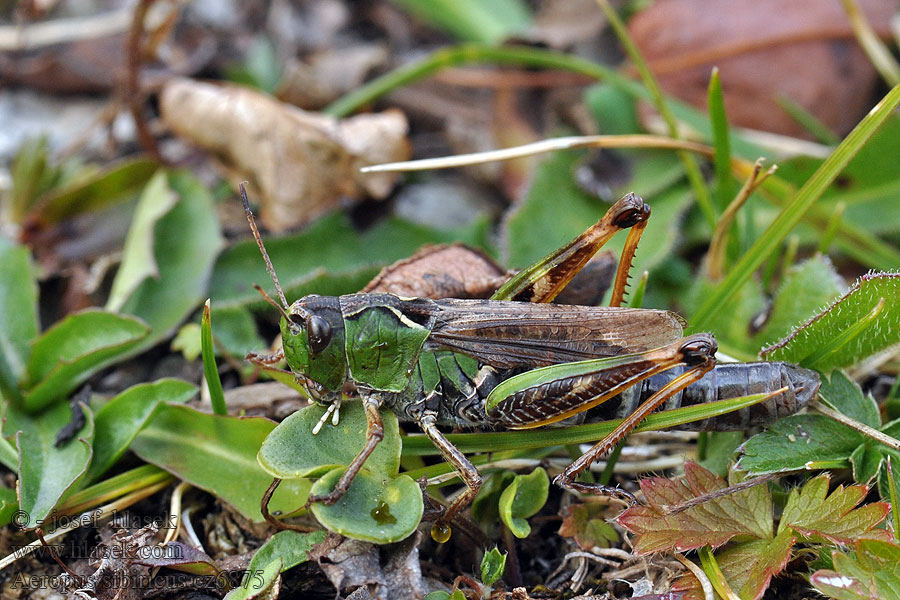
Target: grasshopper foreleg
469 474
374 434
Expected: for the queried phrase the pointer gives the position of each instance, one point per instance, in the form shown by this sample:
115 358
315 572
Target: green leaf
819 516
523 498
187 341
94 190
730 327
806 288
18 304
76 348
846 397
869 572
749 567
138 260
261 583
9 504
236 331
536 227
217 454
799 442
492 566
867 186
329 257
840 316
186 242
489 21
485 505
289 547
292 450
47 473
374 508
118 422
720 448
748 512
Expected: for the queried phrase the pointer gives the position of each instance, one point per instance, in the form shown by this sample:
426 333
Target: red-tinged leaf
811 512
586 523
714 522
749 567
689 587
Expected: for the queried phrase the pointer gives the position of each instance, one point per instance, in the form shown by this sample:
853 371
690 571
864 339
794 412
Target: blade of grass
831 228
796 209
881 57
691 168
210 371
807 120
721 141
715 575
895 499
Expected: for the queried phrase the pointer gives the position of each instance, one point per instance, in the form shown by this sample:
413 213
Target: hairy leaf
713 523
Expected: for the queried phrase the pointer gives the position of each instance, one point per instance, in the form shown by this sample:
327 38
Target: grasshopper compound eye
699 349
319 331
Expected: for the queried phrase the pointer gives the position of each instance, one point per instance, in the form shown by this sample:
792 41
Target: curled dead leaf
303 163
803 50
454 271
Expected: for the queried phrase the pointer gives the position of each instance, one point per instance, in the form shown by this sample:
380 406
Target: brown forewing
522 334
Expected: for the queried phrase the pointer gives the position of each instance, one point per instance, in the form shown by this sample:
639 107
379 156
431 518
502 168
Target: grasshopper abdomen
725 381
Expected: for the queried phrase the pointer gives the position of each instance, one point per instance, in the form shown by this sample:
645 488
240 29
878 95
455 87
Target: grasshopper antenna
284 307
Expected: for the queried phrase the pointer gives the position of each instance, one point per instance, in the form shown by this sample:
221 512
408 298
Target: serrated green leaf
489 21
76 348
806 288
854 306
118 422
817 515
47 473
713 523
218 454
374 509
185 243
293 450
492 566
798 442
523 498
138 260
749 566
18 304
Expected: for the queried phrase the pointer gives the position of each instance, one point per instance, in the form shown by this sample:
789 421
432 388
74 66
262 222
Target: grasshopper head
312 334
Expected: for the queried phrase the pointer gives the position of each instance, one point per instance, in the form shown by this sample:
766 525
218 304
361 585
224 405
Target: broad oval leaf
821 331
76 348
523 498
289 547
218 454
47 473
118 422
292 450
374 508
799 442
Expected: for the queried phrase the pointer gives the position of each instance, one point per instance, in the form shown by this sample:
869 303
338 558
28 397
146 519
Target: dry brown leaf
302 163
454 271
803 50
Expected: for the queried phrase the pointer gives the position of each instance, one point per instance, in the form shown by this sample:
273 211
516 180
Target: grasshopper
511 362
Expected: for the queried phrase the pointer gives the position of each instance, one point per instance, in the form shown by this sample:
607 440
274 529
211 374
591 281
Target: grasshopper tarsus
596 489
